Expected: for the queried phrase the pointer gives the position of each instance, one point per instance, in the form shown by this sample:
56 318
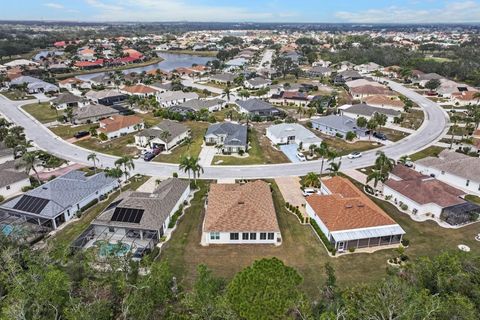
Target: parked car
354 155
309 191
156 151
148 156
301 156
81 134
380 135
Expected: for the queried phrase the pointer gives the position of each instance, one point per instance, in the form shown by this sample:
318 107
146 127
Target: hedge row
322 236
89 205
175 217
295 210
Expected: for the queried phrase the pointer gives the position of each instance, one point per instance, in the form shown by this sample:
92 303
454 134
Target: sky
359 11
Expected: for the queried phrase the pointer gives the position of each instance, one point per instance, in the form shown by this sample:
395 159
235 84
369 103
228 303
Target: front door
341 246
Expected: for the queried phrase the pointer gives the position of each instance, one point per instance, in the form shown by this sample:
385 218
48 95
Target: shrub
103 136
241 152
175 216
350 135
405 242
27 188
351 250
2 198
389 197
175 175
322 236
309 124
89 205
404 207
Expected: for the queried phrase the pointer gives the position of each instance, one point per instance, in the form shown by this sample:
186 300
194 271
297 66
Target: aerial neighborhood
222 147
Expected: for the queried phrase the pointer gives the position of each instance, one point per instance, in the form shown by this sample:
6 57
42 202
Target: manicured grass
17 95
473 198
198 130
260 152
301 248
431 151
116 147
67 131
42 112
60 242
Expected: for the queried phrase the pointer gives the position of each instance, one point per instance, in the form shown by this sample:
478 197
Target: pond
170 62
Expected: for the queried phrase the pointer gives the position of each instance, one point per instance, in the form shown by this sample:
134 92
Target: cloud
459 11
53 5
178 10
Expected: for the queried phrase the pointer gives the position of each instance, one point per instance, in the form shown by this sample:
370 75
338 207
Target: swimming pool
108 249
6 229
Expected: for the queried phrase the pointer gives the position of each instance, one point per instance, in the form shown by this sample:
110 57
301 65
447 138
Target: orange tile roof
237 208
465 95
347 207
117 122
140 88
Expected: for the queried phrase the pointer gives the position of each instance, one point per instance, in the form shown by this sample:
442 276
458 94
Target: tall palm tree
311 179
383 163
454 120
376 176
127 163
93 157
371 125
28 161
185 165
334 168
188 142
322 152
197 169
226 93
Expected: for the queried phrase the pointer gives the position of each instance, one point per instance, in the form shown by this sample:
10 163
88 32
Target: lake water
171 61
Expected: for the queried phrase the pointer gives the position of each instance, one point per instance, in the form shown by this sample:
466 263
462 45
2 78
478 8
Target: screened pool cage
23 228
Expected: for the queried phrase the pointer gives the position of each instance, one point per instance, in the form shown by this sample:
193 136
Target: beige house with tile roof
240 214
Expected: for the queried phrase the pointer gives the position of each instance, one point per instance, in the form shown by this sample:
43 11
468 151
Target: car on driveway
301 156
380 135
309 191
148 156
354 155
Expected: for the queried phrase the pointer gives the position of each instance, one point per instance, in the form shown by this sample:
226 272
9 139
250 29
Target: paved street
433 128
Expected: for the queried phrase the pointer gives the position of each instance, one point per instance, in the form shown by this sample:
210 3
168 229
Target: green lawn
116 147
198 130
432 151
42 112
60 242
473 198
221 115
67 131
301 248
260 152
17 95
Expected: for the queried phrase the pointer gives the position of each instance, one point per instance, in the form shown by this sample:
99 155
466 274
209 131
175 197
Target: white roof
375 232
284 130
20 62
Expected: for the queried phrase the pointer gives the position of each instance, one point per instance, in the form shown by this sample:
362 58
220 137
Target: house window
245 236
468 182
443 172
8 187
253 236
270 236
111 229
214 235
263 236
234 236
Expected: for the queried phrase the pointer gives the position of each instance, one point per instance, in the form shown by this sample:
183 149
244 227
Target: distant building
231 137
118 125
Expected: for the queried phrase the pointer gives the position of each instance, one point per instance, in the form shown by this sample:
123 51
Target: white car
301 156
308 192
354 155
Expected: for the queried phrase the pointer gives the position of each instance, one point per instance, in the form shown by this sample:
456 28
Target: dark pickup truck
81 134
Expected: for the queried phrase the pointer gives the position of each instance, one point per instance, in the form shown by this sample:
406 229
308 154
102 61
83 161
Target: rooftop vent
241 202
348 206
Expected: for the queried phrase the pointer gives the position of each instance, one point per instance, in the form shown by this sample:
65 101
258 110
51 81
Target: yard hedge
322 236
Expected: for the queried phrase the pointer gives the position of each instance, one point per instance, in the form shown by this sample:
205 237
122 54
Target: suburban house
256 83
73 83
362 92
223 78
423 78
425 195
139 90
456 169
464 98
106 97
368 67
138 219
196 105
173 98
93 113
164 136
231 137
240 214
67 100
448 87
118 125
12 180
349 219
364 110
103 79
290 97
257 107
382 101
337 125
348 75
60 199
319 71
34 85
292 133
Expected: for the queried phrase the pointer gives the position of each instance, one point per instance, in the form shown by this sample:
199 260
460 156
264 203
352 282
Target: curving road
435 125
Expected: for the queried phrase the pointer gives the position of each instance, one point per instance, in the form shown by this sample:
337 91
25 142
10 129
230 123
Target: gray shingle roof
9 175
64 192
66 98
94 110
252 105
235 134
455 163
198 104
367 110
340 122
226 77
174 128
157 205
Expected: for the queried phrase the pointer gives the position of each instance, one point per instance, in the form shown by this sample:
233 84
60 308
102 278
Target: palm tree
196 168
454 120
28 161
334 168
403 159
226 93
127 163
113 172
322 152
311 179
185 165
188 142
371 125
312 149
377 176
93 157
383 163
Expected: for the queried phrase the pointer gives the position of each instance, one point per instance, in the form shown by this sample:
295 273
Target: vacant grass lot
431 151
116 147
413 119
42 112
260 152
301 248
17 95
198 132
60 242
393 135
343 147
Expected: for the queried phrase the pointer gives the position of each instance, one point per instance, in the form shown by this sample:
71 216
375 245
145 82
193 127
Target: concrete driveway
291 192
206 155
290 150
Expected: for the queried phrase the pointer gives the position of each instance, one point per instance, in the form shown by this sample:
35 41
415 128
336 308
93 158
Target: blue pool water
6 230
107 249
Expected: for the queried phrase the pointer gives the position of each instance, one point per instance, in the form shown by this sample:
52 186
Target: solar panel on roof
31 204
127 215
